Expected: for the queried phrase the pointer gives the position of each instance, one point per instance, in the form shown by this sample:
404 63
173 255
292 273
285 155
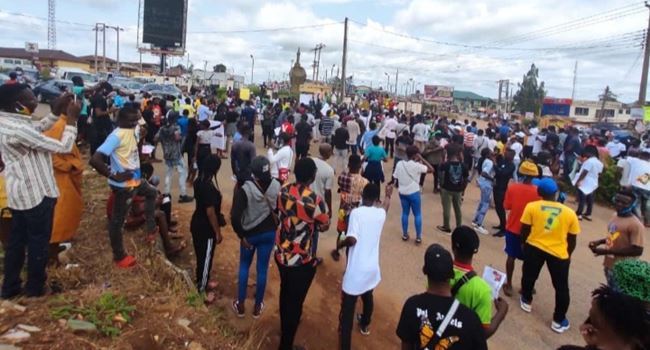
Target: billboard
164 23
439 93
556 106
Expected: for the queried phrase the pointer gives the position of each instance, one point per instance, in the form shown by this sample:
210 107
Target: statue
297 75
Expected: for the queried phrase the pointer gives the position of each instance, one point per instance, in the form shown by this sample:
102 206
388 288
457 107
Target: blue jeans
30 229
411 202
484 204
263 243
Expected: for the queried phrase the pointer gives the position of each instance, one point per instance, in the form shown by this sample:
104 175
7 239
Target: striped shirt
26 153
468 139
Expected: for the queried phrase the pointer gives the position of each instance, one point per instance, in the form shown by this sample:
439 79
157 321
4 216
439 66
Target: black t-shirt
206 195
99 101
340 138
454 175
552 140
422 315
303 132
231 117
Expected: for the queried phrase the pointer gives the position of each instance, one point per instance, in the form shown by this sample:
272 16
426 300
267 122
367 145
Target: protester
426 319
68 170
625 233
434 154
351 185
470 289
243 152
453 180
637 179
362 273
503 172
206 223
517 196
170 138
389 134
587 181
407 175
549 230
301 213
303 137
323 185
420 133
125 180
485 167
282 159
354 131
26 156
254 220
374 156
248 114
340 143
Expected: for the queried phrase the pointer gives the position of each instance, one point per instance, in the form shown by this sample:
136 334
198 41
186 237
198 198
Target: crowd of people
283 200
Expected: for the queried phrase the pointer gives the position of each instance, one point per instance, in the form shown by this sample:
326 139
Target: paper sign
244 94
495 279
646 114
147 149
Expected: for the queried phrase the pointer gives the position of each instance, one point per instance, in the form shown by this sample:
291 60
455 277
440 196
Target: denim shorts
513 246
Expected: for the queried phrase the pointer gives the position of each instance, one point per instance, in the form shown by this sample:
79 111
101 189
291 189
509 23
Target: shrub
608 183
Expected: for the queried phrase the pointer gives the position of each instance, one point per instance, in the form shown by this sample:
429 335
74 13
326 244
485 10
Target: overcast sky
467 44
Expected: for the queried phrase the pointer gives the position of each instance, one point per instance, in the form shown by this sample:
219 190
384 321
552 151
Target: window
582 111
609 113
9 61
620 111
627 111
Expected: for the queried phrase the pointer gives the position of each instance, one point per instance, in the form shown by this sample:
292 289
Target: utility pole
507 95
104 46
387 82
117 30
252 67
96 39
646 61
575 78
603 115
396 77
499 100
345 56
319 47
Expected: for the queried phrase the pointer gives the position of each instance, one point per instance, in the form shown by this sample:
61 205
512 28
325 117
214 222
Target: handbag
443 325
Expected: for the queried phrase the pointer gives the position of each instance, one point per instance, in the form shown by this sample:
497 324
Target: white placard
495 279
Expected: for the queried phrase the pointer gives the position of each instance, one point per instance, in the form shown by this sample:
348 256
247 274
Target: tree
530 95
220 68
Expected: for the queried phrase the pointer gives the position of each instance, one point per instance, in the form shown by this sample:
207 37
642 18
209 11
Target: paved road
401 265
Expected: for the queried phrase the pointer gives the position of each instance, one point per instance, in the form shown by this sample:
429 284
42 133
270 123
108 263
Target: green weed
101 312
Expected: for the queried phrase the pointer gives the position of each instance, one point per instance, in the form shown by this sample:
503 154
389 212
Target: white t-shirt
421 132
539 141
517 147
625 171
362 272
639 173
281 159
324 177
407 173
530 141
389 126
615 148
218 140
593 167
492 144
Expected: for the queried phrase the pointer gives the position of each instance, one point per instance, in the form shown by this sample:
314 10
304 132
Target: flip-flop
212 285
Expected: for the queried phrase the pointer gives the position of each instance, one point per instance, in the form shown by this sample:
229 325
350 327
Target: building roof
43 54
91 59
468 95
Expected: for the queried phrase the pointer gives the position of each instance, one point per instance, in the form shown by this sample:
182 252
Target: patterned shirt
350 188
300 210
171 145
122 148
26 153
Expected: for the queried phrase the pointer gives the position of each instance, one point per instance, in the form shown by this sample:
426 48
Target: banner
244 94
646 114
439 93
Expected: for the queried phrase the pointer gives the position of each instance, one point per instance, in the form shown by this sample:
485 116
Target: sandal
405 237
212 285
335 255
210 298
177 249
418 241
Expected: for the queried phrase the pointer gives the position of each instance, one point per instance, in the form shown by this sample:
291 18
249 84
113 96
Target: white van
67 73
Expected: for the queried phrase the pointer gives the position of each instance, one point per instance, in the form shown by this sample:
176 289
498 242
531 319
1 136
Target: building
589 112
467 101
11 58
221 79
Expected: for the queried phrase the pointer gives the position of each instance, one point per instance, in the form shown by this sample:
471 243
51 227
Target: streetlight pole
387 82
118 29
252 67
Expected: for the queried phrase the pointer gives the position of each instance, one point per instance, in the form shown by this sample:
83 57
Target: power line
263 30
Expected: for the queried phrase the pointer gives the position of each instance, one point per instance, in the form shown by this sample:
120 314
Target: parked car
51 89
127 85
162 90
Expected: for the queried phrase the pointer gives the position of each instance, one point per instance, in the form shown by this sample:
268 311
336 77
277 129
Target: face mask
628 210
22 109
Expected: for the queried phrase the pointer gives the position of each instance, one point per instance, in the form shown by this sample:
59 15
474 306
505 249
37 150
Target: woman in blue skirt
374 155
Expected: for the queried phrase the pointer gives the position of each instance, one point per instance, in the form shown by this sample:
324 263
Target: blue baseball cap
546 186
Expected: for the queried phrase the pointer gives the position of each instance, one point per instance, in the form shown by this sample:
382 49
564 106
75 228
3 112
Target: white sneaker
482 230
561 327
526 306
474 225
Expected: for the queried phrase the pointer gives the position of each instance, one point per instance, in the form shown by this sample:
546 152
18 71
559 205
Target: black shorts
302 150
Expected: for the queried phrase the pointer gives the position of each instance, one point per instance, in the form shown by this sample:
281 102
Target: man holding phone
125 180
